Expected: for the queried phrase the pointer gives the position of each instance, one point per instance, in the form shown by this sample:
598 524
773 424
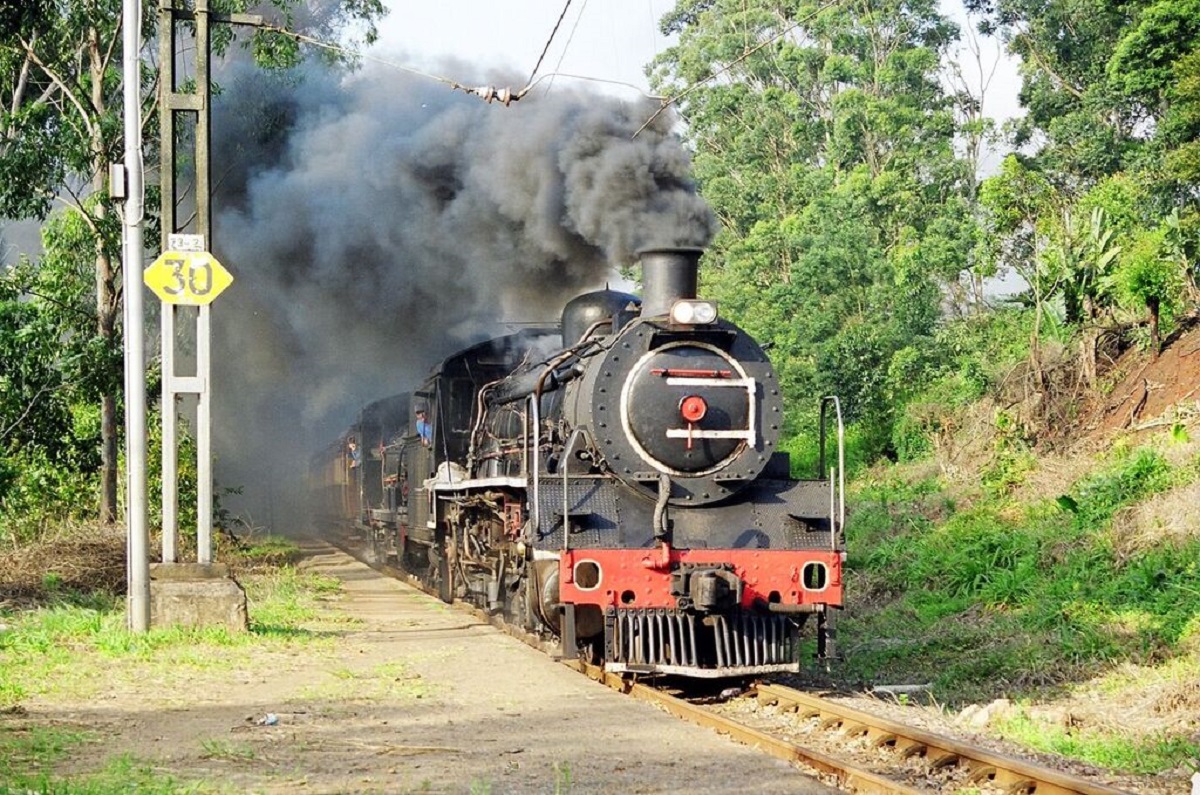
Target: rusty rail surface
849 776
1009 774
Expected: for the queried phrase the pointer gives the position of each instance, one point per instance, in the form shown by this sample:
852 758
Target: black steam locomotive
613 483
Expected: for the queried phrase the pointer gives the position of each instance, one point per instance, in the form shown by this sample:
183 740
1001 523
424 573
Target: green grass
67 650
285 599
216 748
267 550
388 681
1119 752
1020 600
78 646
28 757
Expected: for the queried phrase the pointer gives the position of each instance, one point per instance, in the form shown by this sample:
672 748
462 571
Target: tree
1064 47
1111 88
48 429
824 143
60 131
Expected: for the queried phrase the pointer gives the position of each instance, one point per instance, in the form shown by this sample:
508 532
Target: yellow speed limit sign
189 278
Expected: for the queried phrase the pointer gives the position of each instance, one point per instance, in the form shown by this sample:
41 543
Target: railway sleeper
943 759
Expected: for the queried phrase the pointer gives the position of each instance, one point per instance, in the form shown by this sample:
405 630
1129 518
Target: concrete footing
196 595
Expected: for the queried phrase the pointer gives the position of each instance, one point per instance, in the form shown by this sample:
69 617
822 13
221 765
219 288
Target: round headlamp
691 313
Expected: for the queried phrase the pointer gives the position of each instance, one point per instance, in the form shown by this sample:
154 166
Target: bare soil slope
1148 392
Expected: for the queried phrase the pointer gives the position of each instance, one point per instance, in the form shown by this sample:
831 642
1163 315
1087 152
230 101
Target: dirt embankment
1139 392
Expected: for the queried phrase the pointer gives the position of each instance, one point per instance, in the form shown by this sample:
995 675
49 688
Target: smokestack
668 275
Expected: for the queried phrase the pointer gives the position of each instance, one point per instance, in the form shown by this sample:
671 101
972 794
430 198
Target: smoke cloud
376 222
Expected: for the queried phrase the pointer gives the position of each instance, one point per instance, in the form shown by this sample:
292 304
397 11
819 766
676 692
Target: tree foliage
60 132
824 142
1110 91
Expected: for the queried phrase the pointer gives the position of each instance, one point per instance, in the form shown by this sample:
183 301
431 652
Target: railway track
857 751
863 753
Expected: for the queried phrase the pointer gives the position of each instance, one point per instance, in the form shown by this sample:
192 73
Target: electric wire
567 46
507 95
546 49
488 94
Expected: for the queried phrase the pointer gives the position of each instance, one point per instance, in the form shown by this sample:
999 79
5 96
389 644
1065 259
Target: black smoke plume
375 222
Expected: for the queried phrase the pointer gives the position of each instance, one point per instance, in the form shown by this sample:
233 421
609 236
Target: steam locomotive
613 484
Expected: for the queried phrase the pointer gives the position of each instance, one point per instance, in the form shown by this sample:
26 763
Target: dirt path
416 697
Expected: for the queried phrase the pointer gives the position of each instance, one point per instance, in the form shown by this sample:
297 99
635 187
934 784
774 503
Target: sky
357 167
608 40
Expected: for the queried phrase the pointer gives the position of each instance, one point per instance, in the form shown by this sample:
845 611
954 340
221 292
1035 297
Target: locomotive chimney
668 275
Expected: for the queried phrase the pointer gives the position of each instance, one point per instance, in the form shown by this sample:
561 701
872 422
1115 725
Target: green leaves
826 148
1142 66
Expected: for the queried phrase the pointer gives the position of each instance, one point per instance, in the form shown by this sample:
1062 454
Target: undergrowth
77 646
1020 600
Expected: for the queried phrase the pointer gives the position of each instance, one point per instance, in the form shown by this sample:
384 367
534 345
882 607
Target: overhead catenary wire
549 41
505 96
567 46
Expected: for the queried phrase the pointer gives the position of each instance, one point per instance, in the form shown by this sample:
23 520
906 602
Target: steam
376 222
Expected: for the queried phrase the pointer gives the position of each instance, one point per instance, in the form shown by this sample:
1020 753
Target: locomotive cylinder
668 275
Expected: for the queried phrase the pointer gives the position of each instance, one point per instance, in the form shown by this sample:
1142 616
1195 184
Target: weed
28 757
562 778
225 749
387 680
287 597
1179 433
1001 596
1153 754
1132 477
68 648
34 747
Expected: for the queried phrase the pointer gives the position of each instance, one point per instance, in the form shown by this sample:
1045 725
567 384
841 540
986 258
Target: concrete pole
135 351
204 462
170 422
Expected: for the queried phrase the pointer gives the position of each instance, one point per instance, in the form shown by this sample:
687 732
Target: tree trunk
107 304
1152 304
1088 354
106 328
1089 344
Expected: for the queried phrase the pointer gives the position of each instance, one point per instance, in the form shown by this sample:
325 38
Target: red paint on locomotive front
641 578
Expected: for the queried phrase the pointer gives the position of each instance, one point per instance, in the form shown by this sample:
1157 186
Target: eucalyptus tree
1104 82
1113 117
824 142
60 131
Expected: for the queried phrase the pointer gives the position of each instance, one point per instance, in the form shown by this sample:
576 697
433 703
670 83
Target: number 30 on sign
188 278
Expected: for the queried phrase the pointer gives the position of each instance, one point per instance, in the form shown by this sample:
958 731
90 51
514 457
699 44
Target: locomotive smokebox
668 275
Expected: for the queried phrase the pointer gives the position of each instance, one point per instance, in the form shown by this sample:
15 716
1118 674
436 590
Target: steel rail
1010 774
849 777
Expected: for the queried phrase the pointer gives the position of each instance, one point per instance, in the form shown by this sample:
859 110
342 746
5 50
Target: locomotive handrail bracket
749 434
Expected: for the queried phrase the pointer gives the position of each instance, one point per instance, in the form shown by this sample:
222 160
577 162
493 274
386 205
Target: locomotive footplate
663 641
